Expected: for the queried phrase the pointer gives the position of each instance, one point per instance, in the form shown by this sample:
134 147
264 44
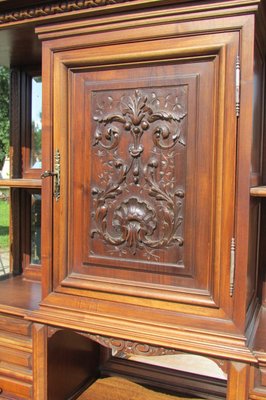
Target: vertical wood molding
47 214
39 336
15 166
15 111
238 379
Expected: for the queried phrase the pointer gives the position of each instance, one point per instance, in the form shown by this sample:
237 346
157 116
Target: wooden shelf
258 191
19 296
21 183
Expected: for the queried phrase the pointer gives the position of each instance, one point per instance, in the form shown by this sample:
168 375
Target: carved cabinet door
147 138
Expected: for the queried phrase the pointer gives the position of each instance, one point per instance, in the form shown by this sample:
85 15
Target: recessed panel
142 202
138 163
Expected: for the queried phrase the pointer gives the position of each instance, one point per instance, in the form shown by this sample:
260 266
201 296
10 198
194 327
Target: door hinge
237 95
232 266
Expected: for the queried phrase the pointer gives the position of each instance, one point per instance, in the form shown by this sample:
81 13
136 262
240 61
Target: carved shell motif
134 223
134 220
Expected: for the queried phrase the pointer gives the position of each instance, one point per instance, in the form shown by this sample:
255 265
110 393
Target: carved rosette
138 203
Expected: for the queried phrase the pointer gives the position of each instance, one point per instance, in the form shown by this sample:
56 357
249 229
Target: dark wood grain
73 361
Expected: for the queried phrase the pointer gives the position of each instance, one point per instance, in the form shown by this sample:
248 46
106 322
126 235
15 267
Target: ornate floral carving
138 222
136 115
56 8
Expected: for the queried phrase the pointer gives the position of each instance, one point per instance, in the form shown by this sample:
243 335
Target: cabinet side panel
255 172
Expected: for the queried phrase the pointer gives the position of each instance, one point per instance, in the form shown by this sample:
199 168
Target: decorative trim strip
126 347
121 347
53 9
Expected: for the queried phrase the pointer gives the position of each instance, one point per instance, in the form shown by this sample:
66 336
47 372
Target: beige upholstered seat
122 389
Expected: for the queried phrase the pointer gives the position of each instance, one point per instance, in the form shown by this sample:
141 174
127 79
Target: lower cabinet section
16 375
43 362
72 361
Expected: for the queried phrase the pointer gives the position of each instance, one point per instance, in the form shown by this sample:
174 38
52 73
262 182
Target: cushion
116 388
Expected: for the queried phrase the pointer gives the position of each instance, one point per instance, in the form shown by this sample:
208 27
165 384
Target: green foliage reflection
4 114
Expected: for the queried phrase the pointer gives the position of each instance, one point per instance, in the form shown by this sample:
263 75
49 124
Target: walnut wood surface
18 296
156 171
73 361
259 340
115 269
109 172
142 142
23 183
16 357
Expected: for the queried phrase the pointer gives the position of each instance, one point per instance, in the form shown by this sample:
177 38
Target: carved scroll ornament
121 346
127 347
139 224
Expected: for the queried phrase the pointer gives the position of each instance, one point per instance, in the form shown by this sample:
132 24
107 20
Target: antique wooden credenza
153 204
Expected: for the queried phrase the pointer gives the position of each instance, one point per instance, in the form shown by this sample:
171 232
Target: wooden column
238 381
39 337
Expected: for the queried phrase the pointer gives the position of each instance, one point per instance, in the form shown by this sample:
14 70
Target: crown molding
42 11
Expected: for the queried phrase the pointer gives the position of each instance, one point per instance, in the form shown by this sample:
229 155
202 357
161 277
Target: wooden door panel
142 204
147 189
136 174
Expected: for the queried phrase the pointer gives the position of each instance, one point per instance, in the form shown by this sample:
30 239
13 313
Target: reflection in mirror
4 232
4 172
36 122
36 229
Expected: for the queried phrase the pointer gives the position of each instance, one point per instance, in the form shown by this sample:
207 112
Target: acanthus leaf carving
134 221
